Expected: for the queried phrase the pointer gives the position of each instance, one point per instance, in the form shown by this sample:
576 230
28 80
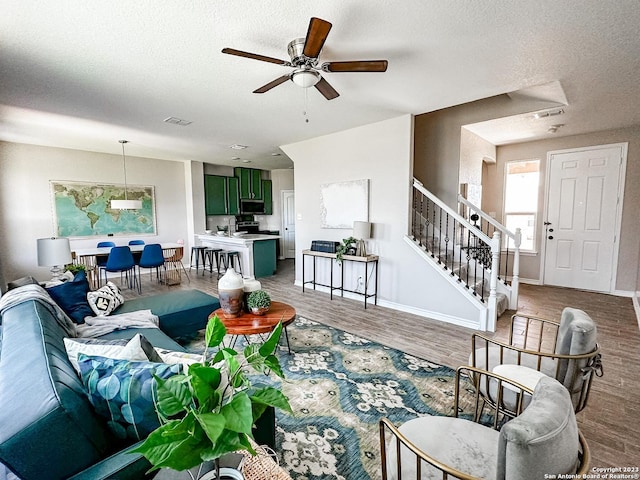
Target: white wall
382 153
26 212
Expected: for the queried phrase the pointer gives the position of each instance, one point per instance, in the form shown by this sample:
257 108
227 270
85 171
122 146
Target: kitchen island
257 251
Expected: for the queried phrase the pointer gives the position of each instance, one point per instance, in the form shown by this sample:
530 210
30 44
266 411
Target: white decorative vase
231 293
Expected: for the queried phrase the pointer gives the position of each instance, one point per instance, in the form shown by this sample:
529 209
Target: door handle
551 229
550 237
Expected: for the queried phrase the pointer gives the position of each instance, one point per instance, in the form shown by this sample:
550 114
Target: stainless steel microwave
251 206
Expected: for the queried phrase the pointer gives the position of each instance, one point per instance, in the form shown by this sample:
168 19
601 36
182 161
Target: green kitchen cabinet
221 195
267 195
250 183
264 258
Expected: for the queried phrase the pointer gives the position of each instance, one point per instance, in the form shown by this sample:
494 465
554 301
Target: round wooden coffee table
250 324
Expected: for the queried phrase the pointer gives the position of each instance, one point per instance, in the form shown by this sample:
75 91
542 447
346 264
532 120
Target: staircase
467 247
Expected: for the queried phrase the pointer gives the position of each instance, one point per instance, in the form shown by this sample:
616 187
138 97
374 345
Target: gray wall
438 136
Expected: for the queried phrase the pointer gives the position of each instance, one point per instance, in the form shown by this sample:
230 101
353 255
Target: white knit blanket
97 326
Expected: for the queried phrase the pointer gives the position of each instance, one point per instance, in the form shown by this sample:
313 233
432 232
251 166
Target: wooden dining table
88 257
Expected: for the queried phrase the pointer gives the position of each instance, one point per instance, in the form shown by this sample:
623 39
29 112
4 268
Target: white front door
584 187
288 224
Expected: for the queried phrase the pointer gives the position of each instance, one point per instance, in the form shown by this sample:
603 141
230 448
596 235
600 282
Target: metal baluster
425 219
440 235
446 243
433 232
468 254
475 267
506 263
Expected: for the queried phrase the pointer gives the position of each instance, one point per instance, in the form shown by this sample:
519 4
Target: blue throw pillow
122 391
72 297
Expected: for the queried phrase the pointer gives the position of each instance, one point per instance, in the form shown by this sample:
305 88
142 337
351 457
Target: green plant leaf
215 332
273 363
205 380
173 445
223 353
271 343
173 395
229 441
272 397
237 414
212 424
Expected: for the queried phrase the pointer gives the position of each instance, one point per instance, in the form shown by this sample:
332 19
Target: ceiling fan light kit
305 77
304 53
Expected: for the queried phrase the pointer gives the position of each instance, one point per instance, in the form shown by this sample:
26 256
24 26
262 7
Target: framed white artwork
342 203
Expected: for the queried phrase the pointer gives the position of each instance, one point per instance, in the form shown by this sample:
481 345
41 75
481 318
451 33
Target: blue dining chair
152 257
101 260
121 260
136 255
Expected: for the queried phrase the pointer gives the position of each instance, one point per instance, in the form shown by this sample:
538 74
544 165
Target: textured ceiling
85 73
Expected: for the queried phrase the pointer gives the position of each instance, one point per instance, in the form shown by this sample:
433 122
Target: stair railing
488 225
461 248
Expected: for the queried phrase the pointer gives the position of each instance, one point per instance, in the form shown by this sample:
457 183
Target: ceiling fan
304 54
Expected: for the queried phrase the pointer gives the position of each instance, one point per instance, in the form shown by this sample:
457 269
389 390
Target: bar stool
231 258
198 252
211 255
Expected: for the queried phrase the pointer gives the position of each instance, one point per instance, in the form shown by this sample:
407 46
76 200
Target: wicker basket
262 466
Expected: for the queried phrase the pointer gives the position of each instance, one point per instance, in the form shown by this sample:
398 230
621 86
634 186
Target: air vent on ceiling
548 113
177 121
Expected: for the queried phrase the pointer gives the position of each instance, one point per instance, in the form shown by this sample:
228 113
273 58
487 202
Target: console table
365 260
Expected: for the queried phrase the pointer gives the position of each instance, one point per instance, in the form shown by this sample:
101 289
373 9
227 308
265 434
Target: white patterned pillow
184 358
137 348
105 300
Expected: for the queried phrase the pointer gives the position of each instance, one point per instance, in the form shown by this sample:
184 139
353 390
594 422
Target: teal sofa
48 427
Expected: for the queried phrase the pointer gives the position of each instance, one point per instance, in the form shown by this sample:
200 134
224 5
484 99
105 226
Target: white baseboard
530 281
636 305
462 322
624 293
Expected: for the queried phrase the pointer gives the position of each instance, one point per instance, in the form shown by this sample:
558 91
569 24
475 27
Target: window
522 179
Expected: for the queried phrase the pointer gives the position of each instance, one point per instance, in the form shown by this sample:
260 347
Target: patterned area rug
339 386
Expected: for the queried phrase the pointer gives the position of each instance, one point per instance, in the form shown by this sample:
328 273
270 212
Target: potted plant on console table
210 411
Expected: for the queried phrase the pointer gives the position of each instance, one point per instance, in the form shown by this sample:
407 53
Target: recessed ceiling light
246 161
237 146
177 121
235 158
275 154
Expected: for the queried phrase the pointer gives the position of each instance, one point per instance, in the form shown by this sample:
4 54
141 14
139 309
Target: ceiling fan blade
316 36
255 56
356 66
274 83
327 90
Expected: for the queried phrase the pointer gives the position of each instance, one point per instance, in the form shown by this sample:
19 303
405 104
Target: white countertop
241 240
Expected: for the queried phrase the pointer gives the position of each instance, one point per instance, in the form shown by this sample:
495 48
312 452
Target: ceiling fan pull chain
306 103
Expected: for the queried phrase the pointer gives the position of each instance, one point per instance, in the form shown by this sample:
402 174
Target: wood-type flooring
611 420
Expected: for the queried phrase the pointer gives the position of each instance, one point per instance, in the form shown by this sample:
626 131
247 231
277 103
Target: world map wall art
83 209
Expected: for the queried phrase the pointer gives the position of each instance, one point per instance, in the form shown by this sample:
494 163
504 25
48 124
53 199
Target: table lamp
54 252
361 230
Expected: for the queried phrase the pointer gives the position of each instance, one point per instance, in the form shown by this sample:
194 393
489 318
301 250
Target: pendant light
125 204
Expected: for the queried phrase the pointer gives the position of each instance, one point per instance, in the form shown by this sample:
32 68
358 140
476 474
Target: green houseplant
75 268
347 247
210 411
259 302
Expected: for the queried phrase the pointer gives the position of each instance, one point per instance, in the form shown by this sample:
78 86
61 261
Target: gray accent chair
542 439
566 351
